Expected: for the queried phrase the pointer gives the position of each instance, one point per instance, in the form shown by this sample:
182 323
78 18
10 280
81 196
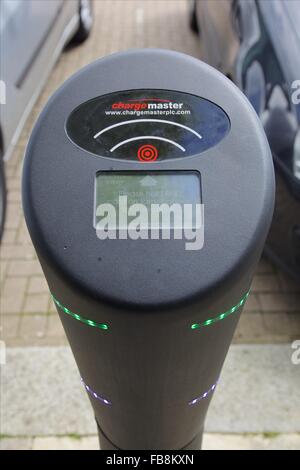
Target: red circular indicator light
147 153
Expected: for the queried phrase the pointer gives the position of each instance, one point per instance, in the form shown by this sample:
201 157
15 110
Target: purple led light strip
196 400
94 394
107 402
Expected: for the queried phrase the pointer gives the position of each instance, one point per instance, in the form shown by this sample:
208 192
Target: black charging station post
148 320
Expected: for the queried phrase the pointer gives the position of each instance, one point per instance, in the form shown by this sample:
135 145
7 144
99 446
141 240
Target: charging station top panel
74 162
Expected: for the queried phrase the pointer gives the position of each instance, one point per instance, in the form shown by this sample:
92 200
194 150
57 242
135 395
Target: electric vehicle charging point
149 320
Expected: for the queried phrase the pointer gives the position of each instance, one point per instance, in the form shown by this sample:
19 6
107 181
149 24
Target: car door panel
30 32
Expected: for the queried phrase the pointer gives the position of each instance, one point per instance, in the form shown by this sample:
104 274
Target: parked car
256 43
32 36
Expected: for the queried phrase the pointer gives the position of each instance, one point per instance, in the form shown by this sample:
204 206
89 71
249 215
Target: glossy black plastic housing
149 365
92 127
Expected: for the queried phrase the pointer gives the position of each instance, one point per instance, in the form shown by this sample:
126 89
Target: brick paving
28 317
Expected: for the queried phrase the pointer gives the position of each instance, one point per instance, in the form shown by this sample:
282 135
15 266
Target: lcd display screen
167 199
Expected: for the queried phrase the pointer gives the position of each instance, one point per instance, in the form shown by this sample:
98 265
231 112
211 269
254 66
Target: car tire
2 197
194 25
86 20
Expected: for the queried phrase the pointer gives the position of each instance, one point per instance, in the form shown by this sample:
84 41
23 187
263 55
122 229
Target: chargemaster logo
147 103
147 106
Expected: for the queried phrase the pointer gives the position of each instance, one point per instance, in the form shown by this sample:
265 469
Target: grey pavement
42 394
210 442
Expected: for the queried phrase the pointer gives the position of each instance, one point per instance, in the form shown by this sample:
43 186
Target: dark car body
256 43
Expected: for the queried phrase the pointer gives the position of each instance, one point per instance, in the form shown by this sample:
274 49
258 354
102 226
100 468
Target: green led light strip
221 316
102 326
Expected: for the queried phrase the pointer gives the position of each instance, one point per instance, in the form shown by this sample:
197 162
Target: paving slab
66 443
41 393
19 443
210 442
251 442
259 391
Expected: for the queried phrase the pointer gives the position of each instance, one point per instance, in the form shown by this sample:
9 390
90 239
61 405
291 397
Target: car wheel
194 25
2 197
85 21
